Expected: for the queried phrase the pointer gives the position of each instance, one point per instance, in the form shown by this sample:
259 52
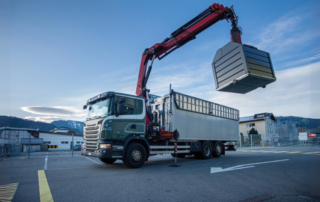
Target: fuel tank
240 68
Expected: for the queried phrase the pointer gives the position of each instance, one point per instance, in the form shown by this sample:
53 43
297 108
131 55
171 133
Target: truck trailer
116 127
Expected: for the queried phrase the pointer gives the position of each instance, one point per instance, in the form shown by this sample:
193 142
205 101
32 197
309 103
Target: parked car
77 147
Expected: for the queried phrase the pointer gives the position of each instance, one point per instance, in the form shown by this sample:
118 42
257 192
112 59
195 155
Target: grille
92 132
91 145
91 136
92 128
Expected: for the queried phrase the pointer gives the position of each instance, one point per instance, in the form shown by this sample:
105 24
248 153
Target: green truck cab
115 120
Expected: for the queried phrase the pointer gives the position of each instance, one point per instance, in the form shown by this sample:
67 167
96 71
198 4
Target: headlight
105 146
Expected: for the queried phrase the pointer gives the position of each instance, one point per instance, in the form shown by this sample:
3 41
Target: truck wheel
107 161
135 155
206 151
178 155
217 150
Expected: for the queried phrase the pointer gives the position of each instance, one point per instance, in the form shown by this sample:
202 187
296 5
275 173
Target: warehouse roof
35 132
61 133
257 117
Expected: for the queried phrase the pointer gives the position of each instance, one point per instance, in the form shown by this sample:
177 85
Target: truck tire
206 151
107 161
217 151
135 155
178 155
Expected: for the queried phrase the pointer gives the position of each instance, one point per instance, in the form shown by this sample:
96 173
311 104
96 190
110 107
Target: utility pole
29 145
240 141
72 145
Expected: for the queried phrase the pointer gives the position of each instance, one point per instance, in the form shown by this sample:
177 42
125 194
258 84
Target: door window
131 106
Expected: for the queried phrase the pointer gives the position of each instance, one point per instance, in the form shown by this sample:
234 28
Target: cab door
132 121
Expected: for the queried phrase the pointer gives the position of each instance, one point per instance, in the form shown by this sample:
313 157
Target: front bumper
101 153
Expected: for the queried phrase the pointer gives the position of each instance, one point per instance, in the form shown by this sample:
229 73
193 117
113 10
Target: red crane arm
179 38
182 36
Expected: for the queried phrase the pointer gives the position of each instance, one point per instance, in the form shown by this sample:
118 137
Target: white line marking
94 161
219 169
262 163
45 163
250 165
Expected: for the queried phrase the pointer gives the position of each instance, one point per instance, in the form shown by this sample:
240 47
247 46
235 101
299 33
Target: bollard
175 156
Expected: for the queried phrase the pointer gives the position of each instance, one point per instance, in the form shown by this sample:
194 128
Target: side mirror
84 106
120 108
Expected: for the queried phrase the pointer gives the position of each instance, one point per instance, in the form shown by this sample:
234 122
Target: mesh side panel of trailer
189 103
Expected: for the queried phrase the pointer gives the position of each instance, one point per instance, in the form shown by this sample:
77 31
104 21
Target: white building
264 123
21 137
269 128
63 140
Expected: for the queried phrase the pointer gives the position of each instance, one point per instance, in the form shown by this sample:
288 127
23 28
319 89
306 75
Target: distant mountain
74 125
10 121
303 124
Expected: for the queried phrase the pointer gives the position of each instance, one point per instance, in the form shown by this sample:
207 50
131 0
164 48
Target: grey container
198 119
241 68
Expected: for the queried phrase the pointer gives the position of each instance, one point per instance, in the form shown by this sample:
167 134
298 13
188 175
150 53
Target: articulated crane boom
182 36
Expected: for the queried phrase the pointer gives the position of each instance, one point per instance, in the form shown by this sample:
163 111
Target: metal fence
15 141
10 150
259 141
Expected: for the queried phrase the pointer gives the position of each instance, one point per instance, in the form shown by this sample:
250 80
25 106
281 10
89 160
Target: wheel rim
136 155
207 150
218 149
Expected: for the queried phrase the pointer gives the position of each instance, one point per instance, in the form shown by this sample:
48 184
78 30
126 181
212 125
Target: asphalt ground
275 174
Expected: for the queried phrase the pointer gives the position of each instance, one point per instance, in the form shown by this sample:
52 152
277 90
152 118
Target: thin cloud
50 119
296 92
46 119
285 35
55 111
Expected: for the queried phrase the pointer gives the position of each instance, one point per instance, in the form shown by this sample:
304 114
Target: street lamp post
72 145
29 145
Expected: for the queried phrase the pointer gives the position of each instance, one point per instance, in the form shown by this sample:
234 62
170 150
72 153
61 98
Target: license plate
89 154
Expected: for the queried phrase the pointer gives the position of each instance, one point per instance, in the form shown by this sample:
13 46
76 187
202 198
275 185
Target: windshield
99 109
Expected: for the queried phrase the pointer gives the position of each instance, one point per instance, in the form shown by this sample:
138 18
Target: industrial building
63 140
264 123
269 128
20 139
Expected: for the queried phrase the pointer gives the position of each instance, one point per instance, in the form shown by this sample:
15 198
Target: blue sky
57 54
